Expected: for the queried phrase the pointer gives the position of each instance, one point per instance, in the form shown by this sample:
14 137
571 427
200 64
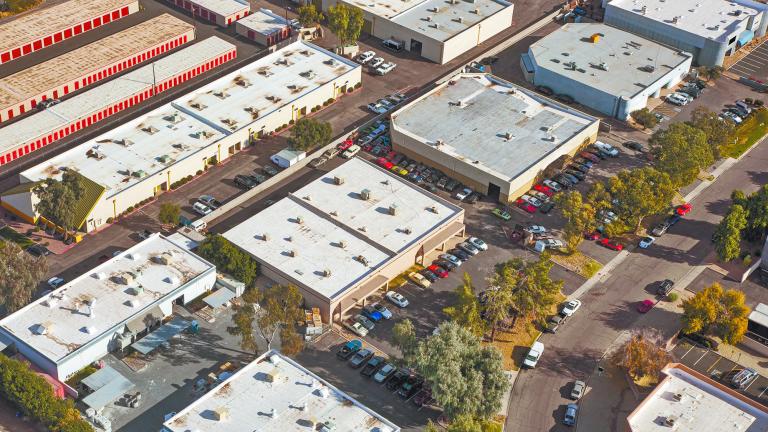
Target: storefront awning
153 340
219 297
108 385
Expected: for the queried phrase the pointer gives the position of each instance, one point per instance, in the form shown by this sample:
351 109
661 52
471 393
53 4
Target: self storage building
45 127
264 27
81 67
44 27
221 12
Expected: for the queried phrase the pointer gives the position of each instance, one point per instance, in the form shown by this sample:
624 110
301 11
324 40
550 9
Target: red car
384 163
614 245
594 235
346 144
546 190
684 209
645 305
589 156
525 205
439 271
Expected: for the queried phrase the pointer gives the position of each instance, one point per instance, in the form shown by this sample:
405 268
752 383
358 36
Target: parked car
385 68
372 366
570 307
444 264
478 243
55 282
557 187
458 253
547 207
634 145
570 177
684 209
523 204
384 373
534 354
535 229
611 244
356 328
244 181
316 162
546 190
410 386
660 229
472 198
360 358
397 298
677 99
371 313
365 57
45 104
645 305
607 148
646 242
397 379
452 258
351 152
578 390
419 279
38 250
462 194
394 45
665 287
468 248
431 277
575 173
270 170
365 322
258 178
331 152
349 349
744 378
439 271
554 323
531 200
210 201
201 209
383 310
571 411
375 62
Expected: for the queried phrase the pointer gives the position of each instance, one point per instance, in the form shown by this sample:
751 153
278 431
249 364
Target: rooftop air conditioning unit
427 18
670 421
299 220
393 209
221 414
678 397
126 142
265 237
39 329
433 209
342 244
338 180
327 273
161 259
149 129
365 194
407 230
293 253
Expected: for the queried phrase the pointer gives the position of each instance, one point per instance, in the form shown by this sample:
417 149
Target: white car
356 328
201 209
646 242
541 196
534 354
55 282
376 62
463 194
531 200
419 280
397 299
536 229
677 99
612 151
362 319
385 68
479 244
377 108
351 151
365 57
555 186
451 258
570 307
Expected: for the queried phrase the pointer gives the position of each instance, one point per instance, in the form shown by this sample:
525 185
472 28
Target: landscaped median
752 130
583 265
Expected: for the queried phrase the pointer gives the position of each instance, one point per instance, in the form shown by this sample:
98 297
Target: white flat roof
713 19
498 127
703 408
108 161
81 106
338 226
223 7
264 21
46 21
615 64
64 312
268 84
444 16
73 65
274 393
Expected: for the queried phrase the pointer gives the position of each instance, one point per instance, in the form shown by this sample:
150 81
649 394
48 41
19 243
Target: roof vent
407 230
242 81
39 329
126 142
334 213
427 18
459 20
293 253
221 94
476 11
433 209
90 329
435 25
342 244
363 260
432 9
363 228
338 180
150 130
198 106
508 135
133 303
299 220
365 194
327 273
307 198
265 237
173 280
393 209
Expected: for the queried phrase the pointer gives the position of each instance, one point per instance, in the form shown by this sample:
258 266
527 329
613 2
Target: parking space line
686 353
697 361
715 363
762 392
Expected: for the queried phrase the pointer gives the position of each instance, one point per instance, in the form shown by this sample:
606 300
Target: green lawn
20 239
748 133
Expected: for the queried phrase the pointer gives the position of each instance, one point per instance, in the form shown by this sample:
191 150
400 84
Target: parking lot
754 65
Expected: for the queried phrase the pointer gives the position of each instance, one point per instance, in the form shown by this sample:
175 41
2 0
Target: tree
308 133
498 307
229 258
466 311
757 214
466 377
727 236
645 118
169 214
640 193
308 15
710 73
404 338
275 312
20 274
57 200
642 355
716 311
681 151
579 217
719 133
465 423
346 22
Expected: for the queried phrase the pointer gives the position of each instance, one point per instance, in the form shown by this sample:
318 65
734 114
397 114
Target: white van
198 225
394 45
351 151
534 354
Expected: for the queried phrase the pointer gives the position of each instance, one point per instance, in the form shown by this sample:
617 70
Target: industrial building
708 29
264 27
687 401
221 12
274 393
44 127
493 136
344 236
143 157
81 67
107 308
604 68
437 30
44 27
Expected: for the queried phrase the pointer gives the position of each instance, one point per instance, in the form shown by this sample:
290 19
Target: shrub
759 102
749 101
291 122
199 172
672 297
314 109
358 85
747 260
645 118
229 258
317 107
129 209
110 220
350 90
189 177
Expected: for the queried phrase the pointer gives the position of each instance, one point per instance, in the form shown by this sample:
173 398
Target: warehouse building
344 236
44 27
264 27
274 393
604 68
221 12
45 127
491 135
687 401
107 308
708 29
438 30
20 92
143 157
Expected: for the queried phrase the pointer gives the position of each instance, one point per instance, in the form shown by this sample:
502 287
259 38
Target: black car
547 207
431 277
460 254
472 198
582 161
372 366
579 167
665 287
360 358
410 386
397 379
38 250
270 171
563 181
348 349
554 322
444 264
258 178
576 173
634 145
675 218
244 181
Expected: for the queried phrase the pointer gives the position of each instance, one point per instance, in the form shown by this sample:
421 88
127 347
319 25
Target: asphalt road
537 403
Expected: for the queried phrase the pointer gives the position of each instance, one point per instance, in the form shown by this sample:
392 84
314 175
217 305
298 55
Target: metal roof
157 337
264 21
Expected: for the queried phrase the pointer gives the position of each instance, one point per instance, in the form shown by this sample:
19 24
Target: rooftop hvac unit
242 82
137 290
39 329
433 209
363 260
125 278
427 18
220 414
126 142
307 198
173 118
150 130
164 159
342 244
323 392
100 275
221 94
365 194
198 106
161 259
338 180
265 237
476 11
432 9
602 66
90 330
435 25
133 303
393 209
459 20
299 220
327 273
407 230
670 421
678 397
293 253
